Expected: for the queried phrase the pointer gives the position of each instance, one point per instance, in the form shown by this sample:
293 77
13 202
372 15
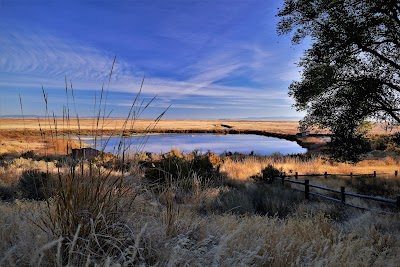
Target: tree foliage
352 70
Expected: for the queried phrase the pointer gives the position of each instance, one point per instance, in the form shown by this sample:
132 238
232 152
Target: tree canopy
352 70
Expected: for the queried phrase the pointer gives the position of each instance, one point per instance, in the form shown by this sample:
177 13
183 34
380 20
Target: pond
217 143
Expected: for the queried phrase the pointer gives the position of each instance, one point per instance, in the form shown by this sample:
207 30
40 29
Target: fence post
283 180
296 176
342 194
374 173
351 175
326 175
307 189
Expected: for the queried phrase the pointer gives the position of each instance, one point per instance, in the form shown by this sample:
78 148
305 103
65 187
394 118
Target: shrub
28 154
35 185
7 193
269 174
385 142
348 147
178 171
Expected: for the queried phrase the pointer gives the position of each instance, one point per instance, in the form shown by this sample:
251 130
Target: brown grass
243 169
86 125
307 238
188 232
185 231
18 142
284 127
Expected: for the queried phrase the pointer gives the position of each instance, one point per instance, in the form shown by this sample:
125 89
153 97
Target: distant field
282 127
87 125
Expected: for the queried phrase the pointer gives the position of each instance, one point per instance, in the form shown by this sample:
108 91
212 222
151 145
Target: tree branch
389 110
375 53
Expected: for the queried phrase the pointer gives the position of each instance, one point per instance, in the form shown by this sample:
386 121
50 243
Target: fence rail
326 174
342 192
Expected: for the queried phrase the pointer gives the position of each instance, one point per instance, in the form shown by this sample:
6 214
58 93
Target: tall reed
86 214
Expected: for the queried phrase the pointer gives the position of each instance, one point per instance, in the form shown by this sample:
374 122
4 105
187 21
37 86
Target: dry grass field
182 209
190 220
115 125
86 125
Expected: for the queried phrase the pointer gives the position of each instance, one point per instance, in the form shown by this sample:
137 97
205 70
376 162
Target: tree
351 73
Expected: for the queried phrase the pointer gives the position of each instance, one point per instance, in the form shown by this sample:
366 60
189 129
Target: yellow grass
281 127
243 169
285 127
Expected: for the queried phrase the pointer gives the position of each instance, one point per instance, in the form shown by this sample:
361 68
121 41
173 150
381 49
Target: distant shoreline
277 118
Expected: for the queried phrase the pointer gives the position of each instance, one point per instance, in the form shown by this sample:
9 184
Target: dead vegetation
185 217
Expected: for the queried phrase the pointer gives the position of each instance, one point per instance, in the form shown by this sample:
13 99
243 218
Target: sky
205 59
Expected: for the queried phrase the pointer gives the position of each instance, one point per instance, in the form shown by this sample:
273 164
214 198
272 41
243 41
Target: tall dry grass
309 237
242 169
85 204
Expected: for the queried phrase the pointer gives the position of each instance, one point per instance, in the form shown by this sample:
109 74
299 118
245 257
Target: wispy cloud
30 59
41 54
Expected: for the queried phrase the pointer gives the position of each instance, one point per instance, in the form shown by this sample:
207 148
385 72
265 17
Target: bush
28 154
35 185
178 171
269 174
348 147
8 193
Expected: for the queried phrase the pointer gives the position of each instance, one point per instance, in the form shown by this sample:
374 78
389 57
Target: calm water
218 144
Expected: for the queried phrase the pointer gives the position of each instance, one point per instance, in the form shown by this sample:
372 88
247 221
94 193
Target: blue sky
208 59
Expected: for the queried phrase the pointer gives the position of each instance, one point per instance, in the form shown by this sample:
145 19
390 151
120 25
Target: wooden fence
326 174
341 193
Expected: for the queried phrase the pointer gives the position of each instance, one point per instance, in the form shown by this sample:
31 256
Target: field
183 209
284 127
115 125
